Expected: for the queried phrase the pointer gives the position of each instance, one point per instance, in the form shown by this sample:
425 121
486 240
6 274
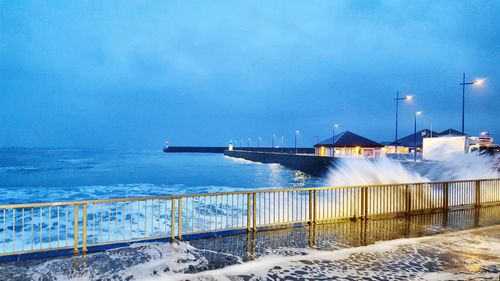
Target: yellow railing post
315 207
180 218
310 221
254 212
75 230
478 193
84 234
408 199
173 219
364 203
248 212
445 196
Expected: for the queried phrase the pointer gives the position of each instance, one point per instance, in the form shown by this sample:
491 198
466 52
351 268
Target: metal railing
29 228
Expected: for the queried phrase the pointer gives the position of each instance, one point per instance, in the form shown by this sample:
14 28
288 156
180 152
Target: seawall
310 164
195 149
221 149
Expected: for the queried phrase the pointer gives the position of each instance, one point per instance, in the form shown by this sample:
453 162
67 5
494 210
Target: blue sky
134 74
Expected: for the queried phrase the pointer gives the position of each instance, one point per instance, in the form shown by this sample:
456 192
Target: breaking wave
351 171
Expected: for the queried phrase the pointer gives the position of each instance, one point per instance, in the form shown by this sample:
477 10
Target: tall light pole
248 142
296 133
317 139
272 140
477 82
418 113
398 99
333 139
282 142
258 141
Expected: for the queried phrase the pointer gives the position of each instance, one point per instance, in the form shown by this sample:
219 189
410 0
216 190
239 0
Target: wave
349 172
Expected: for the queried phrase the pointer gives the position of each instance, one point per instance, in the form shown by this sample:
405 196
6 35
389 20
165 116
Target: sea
29 175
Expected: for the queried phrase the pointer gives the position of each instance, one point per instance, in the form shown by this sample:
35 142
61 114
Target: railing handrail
145 198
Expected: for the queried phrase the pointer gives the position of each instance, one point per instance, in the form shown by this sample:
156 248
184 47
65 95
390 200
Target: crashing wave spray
459 167
355 171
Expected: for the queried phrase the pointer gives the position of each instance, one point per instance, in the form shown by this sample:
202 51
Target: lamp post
258 141
333 139
398 99
296 133
418 113
282 142
272 140
248 142
477 82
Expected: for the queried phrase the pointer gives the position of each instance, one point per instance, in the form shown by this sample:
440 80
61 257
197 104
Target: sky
139 73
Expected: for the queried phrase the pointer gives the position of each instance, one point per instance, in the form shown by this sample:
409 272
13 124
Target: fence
32 228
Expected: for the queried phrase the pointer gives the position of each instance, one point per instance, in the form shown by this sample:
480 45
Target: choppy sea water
40 175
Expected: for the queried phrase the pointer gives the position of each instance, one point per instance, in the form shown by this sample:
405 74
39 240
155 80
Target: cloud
132 74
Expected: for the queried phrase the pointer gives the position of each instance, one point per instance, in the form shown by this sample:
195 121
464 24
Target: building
407 144
349 144
451 132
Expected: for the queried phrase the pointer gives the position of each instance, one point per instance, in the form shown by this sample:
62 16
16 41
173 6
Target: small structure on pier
349 144
407 144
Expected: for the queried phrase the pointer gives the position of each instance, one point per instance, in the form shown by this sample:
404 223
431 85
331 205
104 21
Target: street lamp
258 141
333 139
478 82
296 133
418 113
248 142
272 141
398 99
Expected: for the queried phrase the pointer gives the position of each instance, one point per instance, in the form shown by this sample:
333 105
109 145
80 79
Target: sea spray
459 167
356 171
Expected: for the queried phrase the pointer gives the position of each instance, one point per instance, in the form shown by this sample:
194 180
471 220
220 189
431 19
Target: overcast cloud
137 73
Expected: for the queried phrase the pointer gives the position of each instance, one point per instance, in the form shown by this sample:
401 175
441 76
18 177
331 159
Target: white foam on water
176 257
283 265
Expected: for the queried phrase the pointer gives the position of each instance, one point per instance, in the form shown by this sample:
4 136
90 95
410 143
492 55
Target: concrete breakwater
221 149
310 164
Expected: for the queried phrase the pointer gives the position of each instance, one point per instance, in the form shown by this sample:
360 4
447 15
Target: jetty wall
221 149
308 163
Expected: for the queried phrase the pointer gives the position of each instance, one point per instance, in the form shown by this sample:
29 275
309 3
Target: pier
222 149
308 163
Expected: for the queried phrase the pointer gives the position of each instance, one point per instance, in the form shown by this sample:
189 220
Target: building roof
409 140
349 139
451 132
